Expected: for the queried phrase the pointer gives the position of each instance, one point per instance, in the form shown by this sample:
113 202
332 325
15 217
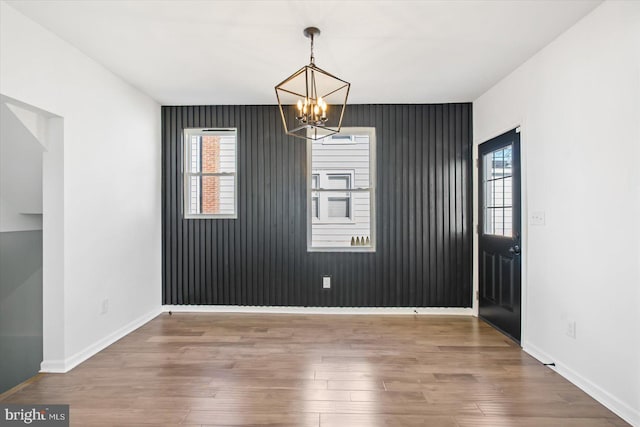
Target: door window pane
498 192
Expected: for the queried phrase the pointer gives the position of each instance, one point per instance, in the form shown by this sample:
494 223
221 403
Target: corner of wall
625 411
67 364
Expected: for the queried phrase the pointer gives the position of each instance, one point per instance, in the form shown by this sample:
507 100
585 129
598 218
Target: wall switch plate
571 329
537 218
326 282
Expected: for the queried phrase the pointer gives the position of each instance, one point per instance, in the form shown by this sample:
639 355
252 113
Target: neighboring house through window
342 191
332 206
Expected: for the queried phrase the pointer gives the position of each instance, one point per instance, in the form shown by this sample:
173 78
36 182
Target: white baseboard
62 366
620 408
452 311
53 366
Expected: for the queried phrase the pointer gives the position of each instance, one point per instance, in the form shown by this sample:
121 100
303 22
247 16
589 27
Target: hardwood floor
313 370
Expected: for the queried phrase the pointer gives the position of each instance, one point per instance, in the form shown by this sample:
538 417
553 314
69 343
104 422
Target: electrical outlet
571 329
105 306
326 282
537 218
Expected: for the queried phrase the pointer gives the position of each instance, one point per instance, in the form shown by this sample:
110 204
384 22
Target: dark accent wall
423 215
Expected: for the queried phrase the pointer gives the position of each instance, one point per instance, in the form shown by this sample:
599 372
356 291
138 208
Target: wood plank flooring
315 370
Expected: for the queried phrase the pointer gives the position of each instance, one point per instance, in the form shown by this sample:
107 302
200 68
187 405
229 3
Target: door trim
524 215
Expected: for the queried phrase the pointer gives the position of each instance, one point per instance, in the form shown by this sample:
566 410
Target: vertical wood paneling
423 217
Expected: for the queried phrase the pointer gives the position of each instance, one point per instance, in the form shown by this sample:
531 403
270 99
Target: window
331 206
498 181
341 191
210 164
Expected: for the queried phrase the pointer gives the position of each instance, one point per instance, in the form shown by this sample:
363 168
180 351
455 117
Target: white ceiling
234 52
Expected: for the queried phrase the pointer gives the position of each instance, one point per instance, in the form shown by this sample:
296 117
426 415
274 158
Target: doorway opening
31 183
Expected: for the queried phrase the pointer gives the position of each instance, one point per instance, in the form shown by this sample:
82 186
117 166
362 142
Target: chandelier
311 100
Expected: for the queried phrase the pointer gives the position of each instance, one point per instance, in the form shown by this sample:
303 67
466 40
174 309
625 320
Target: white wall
108 209
578 101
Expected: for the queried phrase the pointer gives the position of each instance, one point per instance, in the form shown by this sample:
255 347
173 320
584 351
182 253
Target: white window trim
371 133
187 134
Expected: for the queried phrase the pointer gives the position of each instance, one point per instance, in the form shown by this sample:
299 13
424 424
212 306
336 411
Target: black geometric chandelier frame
312 101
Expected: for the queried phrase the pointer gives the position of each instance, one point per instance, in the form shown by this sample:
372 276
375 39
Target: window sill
228 216
354 249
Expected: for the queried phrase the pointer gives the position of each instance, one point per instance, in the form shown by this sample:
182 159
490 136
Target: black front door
499 233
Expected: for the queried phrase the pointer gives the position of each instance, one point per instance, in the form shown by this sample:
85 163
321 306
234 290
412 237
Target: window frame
371 189
326 173
186 174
